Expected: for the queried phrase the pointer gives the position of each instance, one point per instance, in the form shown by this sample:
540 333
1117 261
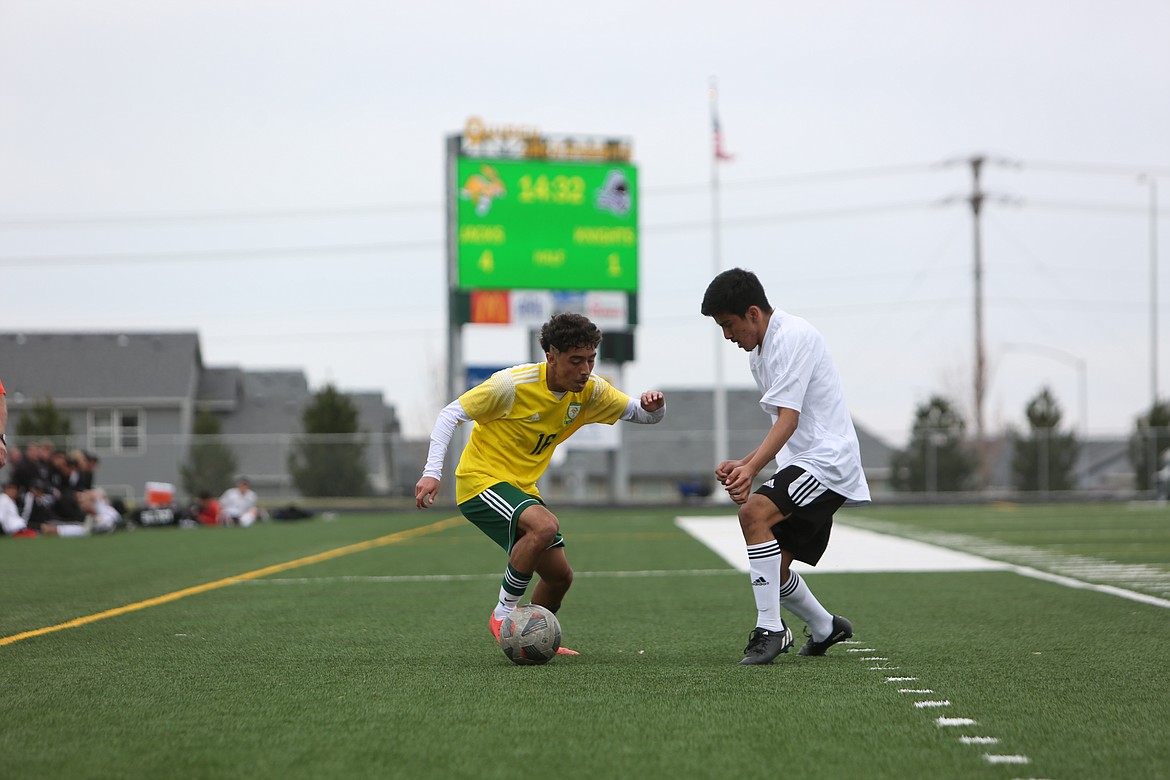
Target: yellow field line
394 538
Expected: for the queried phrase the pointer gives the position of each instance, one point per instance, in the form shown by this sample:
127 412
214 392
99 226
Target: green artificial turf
378 663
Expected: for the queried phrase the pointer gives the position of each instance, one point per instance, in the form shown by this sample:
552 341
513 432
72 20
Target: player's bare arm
739 481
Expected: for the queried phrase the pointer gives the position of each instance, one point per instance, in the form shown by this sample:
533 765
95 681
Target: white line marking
929 704
979 740
875 658
1079 571
853 549
1112 590
954 722
900 679
877 545
884 668
1006 759
915 690
861 650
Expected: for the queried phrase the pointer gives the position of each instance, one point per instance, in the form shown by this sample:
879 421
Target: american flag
720 154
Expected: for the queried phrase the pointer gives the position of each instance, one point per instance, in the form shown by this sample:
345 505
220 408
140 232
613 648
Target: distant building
665 462
131 399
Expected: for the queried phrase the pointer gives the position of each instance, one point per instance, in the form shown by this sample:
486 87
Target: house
132 398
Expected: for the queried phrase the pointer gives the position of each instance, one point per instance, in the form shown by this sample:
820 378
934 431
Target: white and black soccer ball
530 635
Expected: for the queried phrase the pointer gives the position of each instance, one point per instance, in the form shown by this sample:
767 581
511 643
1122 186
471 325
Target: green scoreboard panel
546 225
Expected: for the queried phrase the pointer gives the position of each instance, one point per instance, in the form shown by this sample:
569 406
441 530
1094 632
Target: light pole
1153 182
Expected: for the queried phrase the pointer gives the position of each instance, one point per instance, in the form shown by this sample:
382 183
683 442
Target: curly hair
569 331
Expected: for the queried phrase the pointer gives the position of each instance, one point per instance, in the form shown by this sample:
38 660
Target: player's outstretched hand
653 400
425 492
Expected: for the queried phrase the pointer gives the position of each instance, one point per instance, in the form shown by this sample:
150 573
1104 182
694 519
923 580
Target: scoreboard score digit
546 224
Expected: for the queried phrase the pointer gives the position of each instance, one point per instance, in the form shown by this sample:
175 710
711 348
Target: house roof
123 366
219 388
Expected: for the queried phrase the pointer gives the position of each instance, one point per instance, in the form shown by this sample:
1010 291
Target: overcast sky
270 174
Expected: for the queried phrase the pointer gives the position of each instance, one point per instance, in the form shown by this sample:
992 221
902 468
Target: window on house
116 430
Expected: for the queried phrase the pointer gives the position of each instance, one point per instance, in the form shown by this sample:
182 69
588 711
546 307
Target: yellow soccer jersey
519 422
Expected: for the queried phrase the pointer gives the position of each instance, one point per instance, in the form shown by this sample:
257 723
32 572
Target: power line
1099 169
245 215
201 255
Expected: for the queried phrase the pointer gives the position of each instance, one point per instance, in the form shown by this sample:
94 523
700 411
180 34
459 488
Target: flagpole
720 397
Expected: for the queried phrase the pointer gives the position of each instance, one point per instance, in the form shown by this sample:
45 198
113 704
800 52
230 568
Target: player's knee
756 516
544 528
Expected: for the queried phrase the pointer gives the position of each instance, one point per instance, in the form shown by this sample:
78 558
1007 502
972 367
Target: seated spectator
11 521
237 505
85 465
206 509
100 517
64 479
34 466
36 505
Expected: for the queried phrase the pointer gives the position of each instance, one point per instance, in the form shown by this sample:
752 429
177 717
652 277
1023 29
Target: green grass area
366 665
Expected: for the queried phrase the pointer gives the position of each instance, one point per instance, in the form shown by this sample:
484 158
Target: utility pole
1153 293
720 424
976 201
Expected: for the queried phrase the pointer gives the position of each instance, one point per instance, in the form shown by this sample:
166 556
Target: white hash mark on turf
915 690
900 679
875 658
979 740
861 650
884 668
1006 759
924 704
954 722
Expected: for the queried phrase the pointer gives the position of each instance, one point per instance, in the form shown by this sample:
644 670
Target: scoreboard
533 224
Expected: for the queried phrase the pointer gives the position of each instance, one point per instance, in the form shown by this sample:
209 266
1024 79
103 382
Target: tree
44 421
938 456
1150 439
211 463
330 460
1046 458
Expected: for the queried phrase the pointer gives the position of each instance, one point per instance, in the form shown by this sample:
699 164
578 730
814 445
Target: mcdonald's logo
489 307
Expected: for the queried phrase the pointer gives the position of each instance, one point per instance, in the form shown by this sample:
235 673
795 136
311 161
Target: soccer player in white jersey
522 414
816 454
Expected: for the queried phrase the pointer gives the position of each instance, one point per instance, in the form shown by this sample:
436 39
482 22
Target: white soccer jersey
793 370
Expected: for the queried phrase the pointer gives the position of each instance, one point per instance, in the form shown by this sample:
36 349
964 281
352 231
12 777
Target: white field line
1070 570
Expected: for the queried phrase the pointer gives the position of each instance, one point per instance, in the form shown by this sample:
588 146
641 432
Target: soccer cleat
842 630
494 624
763 646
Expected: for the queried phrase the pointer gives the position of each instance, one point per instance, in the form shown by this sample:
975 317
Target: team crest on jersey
572 412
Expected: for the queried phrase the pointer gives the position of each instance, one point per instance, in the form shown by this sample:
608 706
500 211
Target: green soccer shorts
496 512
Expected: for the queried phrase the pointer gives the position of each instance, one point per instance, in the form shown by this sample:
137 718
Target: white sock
764 569
512 589
800 601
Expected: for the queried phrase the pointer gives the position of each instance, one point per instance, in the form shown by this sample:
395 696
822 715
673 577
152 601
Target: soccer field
359 648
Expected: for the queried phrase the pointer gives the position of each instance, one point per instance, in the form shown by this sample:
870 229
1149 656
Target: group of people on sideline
51 492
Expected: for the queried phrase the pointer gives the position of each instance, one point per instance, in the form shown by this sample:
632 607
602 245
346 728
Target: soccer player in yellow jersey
522 414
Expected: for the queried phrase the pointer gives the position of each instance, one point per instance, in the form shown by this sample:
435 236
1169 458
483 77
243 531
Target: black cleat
842 630
763 646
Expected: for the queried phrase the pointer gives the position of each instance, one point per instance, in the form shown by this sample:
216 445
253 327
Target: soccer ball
530 635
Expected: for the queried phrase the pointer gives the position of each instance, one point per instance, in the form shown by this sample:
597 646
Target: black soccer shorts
808 506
